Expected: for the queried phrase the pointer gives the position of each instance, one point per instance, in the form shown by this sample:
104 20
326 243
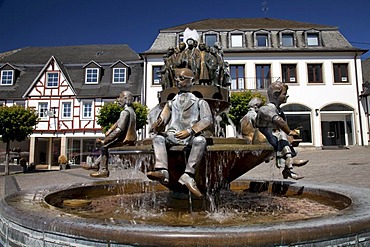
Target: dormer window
210 39
181 38
92 72
92 75
262 40
119 75
120 71
236 40
52 79
313 39
287 40
7 77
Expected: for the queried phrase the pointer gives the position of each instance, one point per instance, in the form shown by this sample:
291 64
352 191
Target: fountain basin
31 218
225 160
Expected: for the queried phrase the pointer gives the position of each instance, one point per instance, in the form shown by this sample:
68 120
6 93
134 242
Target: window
314 73
340 72
289 73
92 75
211 39
313 39
236 40
20 103
156 75
119 75
299 117
262 40
181 38
52 79
7 77
287 40
66 110
87 109
237 77
263 76
43 110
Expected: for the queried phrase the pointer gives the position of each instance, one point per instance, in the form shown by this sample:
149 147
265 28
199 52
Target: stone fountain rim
351 221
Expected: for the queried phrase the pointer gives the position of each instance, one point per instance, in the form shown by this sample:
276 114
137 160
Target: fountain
233 212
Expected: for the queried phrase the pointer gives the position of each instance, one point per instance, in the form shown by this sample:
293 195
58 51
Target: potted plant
63 162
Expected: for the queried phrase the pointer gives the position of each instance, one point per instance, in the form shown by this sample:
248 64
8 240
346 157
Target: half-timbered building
67 86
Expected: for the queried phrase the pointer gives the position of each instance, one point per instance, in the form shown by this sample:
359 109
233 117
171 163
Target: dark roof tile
245 24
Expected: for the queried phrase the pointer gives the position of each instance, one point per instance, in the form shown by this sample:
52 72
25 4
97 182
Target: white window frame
5 81
51 83
236 40
43 110
119 75
83 109
313 39
88 80
64 103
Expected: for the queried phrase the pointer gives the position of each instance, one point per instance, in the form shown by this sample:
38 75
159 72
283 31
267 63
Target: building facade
321 68
67 86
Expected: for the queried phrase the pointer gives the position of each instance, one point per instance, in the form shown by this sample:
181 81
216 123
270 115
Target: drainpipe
358 102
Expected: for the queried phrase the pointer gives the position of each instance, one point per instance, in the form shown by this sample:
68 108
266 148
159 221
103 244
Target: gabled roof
81 54
71 59
43 71
332 40
92 61
119 61
246 24
10 65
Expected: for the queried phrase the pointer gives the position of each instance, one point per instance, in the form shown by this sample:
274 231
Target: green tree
16 124
239 105
110 112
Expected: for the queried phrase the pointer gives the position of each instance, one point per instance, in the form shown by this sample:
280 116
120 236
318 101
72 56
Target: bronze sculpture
248 128
185 116
205 62
123 132
271 121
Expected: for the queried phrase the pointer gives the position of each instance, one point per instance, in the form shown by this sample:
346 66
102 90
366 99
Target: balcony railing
259 83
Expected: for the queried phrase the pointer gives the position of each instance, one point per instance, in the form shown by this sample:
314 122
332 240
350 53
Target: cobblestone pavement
341 166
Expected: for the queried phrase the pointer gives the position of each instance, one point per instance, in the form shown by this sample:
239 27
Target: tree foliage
239 104
16 123
109 114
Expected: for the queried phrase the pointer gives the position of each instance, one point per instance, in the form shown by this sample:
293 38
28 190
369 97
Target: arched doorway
299 117
337 125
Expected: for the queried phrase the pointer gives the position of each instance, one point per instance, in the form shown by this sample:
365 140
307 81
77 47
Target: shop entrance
333 133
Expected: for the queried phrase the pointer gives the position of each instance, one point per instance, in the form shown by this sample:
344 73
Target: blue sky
136 22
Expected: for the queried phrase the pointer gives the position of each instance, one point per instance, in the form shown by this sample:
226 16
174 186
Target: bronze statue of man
271 121
248 127
185 117
123 132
